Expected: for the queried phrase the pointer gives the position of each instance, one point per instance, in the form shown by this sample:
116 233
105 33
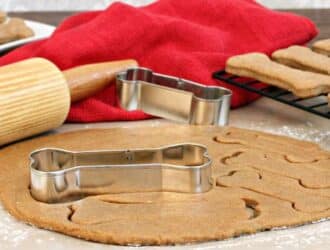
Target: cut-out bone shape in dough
296 151
160 207
279 187
311 175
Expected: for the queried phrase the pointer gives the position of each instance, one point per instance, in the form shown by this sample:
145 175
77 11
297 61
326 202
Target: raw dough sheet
262 182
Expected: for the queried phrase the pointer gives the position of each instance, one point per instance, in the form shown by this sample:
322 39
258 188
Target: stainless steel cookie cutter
173 98
58 175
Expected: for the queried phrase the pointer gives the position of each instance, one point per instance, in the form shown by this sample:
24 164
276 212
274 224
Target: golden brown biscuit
13 30
262 181
303 58
260 67
322 46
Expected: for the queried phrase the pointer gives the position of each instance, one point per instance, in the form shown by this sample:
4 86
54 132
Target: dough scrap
257 188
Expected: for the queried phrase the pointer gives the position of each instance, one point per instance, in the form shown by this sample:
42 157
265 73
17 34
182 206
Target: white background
28 5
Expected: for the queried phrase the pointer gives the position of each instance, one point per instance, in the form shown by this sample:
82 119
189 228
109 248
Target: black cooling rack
317 105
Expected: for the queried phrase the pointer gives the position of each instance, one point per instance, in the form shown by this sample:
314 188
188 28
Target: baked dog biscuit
322 46
3 16
13 30
303 58
260 67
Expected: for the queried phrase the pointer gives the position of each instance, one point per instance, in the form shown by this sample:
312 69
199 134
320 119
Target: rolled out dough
261 181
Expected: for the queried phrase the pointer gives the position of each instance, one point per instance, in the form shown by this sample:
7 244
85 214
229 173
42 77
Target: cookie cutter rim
191 102
69 183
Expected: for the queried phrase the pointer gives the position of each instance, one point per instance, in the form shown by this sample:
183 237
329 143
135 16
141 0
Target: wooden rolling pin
35 95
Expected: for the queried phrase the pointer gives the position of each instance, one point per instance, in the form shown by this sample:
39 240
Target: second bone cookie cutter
173 98
58 175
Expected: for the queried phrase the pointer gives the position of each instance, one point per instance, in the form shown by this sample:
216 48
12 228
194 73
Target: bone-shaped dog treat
303 58
322 46
260 67
13 30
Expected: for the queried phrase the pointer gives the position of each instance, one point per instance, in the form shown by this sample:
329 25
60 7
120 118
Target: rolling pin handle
87 80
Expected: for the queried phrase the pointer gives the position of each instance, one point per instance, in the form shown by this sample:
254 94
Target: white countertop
265 115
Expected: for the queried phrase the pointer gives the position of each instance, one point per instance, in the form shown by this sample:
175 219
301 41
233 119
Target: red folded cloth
189 39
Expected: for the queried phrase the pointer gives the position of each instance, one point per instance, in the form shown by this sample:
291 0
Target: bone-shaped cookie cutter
173 98
58 175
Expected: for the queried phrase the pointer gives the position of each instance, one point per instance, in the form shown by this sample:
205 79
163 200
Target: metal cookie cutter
173 98
59 175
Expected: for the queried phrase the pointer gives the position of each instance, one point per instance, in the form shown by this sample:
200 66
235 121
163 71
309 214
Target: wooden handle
87 80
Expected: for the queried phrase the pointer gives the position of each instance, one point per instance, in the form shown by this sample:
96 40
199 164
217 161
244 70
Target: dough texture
261 181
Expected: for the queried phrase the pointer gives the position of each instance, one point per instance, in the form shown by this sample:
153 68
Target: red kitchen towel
189 39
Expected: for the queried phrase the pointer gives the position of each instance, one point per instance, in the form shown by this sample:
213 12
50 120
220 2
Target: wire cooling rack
317 105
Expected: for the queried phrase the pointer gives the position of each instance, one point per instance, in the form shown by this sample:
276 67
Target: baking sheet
265 115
